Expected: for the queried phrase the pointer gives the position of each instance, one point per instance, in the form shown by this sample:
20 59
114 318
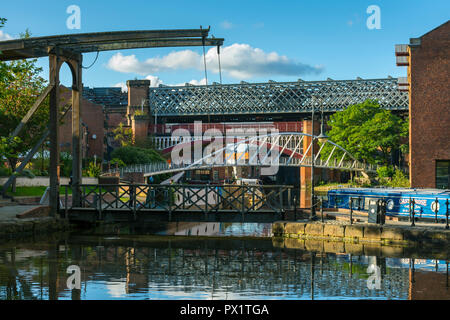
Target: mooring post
436 209
410 213
100 196
321 210
351 210
446 215
413 213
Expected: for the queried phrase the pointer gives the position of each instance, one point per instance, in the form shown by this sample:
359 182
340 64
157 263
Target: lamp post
312 215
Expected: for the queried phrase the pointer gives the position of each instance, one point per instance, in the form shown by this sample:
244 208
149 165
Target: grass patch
32 191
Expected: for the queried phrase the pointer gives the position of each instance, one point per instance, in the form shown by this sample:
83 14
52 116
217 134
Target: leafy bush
65 164
117 161
399 180
93 170
385 172
5 172
134 155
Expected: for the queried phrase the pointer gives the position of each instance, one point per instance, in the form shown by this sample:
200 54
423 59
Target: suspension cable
220 68
96 57
204 60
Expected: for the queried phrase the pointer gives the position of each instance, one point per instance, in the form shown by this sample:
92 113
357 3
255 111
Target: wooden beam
32 110
95 37
148 44
32 152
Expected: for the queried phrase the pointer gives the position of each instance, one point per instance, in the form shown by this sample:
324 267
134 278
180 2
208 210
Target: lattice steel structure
284 149
274 97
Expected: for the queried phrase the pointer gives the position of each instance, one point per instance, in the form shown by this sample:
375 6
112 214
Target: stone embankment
365 233
395 241
19 222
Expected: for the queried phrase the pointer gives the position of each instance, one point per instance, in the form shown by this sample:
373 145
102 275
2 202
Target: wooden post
66 213
54 63
242 201
100 196
77 89
206 201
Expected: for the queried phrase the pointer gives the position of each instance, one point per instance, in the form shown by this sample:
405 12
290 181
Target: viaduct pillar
305 172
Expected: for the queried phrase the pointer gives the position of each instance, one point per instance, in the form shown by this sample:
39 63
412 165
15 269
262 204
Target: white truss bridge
270 150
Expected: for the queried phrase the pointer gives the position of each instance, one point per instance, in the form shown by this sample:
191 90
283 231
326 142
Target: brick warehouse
426 57
428 62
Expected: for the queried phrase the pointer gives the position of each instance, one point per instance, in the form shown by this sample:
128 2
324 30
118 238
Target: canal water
205 261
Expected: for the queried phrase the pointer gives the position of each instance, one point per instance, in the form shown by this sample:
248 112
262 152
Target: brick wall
92 115
429 112
139 125
305 172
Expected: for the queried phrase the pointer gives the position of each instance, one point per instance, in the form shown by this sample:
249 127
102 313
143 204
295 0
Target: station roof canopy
74 44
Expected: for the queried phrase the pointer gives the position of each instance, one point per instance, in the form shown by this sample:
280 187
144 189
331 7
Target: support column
139 127
54 63
305 172
77 89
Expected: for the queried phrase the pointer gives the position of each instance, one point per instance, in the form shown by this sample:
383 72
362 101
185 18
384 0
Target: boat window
443 174
357 203
366 202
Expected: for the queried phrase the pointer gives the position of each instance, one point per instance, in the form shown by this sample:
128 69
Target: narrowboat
428 203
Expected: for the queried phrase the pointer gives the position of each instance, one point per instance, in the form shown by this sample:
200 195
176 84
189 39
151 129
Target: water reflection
206 229
158 268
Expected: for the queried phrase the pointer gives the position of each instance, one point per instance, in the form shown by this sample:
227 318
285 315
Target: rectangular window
443 174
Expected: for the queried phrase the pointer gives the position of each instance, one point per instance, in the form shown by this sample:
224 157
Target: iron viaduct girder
274 97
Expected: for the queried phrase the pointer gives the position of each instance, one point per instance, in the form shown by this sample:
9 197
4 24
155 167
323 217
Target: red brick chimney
138 91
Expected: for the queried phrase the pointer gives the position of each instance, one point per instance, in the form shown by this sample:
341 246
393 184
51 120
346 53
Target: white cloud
4 36
226 24
175 60
193 82
121 85
240 61
154 80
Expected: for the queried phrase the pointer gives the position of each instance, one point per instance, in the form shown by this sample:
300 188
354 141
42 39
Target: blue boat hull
398 201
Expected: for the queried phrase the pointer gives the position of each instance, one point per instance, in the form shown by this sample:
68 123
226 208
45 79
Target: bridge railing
136 198
162 167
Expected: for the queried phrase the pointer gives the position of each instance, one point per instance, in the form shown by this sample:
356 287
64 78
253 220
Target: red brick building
92 133
428 62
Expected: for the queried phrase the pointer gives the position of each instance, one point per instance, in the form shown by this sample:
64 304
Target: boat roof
409 191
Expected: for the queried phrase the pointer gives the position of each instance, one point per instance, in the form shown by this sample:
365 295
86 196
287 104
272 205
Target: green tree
20 85
367 131
135 155
124 135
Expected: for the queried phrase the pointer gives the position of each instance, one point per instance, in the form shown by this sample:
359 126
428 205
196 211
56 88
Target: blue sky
278 40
